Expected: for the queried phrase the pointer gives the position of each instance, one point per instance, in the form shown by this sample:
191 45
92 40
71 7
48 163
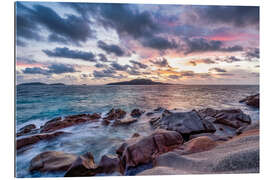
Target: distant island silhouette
138 82
39 84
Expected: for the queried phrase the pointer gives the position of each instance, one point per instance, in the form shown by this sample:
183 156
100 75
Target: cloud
52 69
26 29
26 60
239 16
133 72
72 29
174 77
119 67
218 70
201 61
35 70
111 49
99 65
60 69
253 53
102 58
127 20
161 62
203 45
56 38
20 43
72 54
159 43
107 73
137 64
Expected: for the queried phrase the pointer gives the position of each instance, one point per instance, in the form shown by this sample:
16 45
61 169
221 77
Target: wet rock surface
84 165
26 130
59 123
52 161
220 124
115 114
136 113
22 142
253 100
142 150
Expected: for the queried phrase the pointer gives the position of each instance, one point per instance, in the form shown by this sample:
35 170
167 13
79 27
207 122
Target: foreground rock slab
238 155
142 150
52 161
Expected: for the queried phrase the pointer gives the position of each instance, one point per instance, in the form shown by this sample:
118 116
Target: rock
142 150
124 121
135 135
199 144
159 109
26 130
115 114
237 155
185 123
109 164
59 123
52 161
210 135
84 165
234 118
253 100
149 114
136 113
36 138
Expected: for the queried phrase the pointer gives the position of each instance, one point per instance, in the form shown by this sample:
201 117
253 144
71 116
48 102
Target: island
40 84
139 82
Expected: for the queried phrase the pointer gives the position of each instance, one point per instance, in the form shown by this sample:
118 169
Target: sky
95 43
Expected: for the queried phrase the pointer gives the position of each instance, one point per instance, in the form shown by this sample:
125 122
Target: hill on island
139 82
39 84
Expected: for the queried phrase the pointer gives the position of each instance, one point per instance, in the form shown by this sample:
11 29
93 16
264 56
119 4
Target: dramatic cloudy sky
84 43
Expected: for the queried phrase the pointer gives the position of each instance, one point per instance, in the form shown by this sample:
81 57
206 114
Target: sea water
36 104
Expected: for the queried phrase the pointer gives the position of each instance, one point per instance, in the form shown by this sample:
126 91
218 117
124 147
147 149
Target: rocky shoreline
194 142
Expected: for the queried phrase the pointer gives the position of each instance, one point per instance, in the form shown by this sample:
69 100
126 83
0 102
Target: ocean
36 104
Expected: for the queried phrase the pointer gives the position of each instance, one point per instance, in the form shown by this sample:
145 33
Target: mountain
138 82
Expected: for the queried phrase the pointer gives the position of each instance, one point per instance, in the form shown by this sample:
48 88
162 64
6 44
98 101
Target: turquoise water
38 104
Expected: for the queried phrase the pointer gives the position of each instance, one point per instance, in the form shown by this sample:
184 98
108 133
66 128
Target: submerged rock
142 150
36 138
136 113
115 114
59 123
253 100
84 165
52 161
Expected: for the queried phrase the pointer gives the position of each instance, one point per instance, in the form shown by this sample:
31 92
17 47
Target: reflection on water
37 104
